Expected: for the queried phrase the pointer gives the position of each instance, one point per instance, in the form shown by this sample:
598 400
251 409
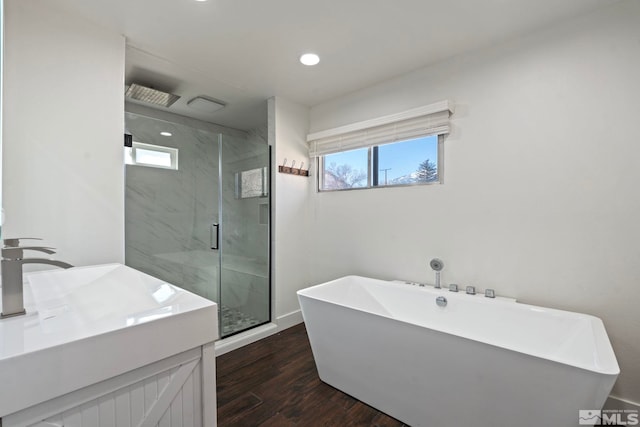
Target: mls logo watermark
608 417
589 417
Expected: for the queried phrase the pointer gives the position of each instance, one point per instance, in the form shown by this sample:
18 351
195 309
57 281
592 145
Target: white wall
540 199
292 244
1 111
63 129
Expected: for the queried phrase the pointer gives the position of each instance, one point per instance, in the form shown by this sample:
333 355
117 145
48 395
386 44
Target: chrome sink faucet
12 285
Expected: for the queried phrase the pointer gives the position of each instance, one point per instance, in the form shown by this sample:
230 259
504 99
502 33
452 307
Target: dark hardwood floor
274 382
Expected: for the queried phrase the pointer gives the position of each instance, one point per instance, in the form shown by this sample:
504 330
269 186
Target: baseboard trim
288 320
614 402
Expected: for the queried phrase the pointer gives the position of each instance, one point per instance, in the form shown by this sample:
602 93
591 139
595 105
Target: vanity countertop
87 324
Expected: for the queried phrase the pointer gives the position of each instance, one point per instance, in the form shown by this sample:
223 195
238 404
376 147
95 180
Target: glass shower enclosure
197 214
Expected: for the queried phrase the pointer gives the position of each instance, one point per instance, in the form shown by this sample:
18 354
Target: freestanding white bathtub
475 362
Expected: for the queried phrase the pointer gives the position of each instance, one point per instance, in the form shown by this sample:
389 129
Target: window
399 149
347 169
408 162
155 156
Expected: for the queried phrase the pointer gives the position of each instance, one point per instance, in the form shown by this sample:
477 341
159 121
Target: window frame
372 163
173 155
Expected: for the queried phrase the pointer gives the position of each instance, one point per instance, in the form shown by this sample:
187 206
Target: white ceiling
245 51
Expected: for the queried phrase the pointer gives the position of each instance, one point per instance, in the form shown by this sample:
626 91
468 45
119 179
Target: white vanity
108 346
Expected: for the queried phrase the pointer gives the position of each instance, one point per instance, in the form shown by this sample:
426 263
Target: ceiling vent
205 105
150 95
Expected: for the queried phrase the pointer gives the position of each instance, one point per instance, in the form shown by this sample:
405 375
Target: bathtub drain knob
441 301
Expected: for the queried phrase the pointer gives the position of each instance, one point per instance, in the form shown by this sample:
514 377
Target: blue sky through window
403 158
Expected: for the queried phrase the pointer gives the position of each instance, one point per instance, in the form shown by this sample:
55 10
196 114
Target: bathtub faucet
12 285
437 265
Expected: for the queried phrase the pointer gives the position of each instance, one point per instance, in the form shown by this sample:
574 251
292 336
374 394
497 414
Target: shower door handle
215 236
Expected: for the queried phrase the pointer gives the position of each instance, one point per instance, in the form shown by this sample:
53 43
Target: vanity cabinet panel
174 392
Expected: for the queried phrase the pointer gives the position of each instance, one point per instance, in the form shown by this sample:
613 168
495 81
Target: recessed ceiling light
309 59
166 133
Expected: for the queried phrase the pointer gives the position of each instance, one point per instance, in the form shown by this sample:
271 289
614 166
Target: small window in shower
155 156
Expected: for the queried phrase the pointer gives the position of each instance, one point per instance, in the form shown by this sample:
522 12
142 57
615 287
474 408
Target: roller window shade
424 121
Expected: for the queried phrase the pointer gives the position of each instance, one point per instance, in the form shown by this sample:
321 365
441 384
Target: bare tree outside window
340 176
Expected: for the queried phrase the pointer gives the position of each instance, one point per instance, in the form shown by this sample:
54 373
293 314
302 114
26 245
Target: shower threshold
247 337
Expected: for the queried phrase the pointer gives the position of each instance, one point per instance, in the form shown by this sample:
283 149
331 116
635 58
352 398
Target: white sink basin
87 324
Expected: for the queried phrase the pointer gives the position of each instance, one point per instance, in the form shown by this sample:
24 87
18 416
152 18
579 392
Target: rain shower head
150 95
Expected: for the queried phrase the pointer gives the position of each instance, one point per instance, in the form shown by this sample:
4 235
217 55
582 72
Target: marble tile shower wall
168 216
250 238
168 213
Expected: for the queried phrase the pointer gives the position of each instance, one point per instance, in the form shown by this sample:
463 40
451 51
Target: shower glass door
244 234
190 221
